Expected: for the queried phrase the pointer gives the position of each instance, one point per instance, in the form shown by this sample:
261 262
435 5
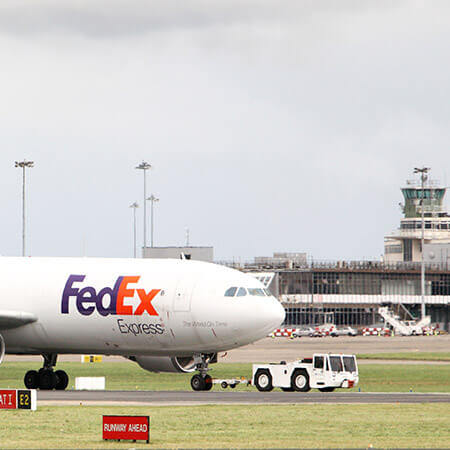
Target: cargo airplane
167 315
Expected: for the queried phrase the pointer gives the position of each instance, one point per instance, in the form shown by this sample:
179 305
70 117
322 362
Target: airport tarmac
174 398
282 348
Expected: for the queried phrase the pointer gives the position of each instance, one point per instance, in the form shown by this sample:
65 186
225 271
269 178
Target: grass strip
241 426
408 356
129 376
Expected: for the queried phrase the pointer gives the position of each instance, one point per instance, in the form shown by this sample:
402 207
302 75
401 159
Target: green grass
129 376
408 356
404 377
241 426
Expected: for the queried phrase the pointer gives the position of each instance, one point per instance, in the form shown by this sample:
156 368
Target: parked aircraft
166 315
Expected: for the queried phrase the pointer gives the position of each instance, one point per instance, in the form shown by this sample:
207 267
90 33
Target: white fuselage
160 307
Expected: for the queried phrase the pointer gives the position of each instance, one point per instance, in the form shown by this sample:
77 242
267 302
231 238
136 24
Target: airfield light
144 166
152 199
134 206
423 177
23 165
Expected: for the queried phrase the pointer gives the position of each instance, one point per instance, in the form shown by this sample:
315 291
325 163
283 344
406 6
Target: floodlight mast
134 206
152 199
23 165
144 166
423 177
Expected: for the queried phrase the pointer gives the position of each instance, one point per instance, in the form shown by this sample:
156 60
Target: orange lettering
125 310
146 302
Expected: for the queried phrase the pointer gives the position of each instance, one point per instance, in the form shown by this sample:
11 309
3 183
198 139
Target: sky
270 125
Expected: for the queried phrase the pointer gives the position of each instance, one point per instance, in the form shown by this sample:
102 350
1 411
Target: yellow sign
91 358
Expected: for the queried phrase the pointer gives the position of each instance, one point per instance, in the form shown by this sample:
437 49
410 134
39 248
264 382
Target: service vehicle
303 332
347 331
323 371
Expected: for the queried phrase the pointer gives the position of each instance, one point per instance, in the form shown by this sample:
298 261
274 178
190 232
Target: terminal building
351 292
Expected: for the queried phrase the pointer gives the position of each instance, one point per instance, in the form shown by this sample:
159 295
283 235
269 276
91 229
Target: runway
174 398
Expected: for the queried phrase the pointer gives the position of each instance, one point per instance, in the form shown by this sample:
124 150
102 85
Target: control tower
404 244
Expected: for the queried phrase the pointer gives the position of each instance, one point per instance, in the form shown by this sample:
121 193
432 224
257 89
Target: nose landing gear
202 381
46 378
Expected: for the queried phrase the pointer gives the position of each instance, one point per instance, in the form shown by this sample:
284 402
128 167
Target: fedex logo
87 299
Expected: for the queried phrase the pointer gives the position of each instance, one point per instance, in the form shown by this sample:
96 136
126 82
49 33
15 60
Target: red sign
18 399
8 399
126 427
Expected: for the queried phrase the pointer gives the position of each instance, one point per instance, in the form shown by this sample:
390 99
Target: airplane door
183 295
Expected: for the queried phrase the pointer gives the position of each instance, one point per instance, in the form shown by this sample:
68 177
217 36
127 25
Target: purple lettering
111 309
69 291
85 296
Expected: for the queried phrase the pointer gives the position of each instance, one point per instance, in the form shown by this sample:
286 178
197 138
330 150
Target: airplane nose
274 315
279 313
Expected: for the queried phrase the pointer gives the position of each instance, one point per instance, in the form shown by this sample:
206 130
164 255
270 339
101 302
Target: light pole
144 166
23 164
134 206
423 177
152 199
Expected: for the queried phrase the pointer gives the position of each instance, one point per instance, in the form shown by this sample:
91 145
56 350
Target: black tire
208 383
62 380
31 379
327 389
47 380
263 380
300 380
198 383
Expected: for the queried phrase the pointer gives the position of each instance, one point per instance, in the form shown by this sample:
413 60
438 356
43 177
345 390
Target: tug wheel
263 380
300 380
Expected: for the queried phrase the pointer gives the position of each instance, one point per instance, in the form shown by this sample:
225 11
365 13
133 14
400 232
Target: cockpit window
230 292
242 292
256 291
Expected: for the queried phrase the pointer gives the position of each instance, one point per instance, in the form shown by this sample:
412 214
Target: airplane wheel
300 380
263 380
62 380
198 383
326 389
47 380
31 379
208 383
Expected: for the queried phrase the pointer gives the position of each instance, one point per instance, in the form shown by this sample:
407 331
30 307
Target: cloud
271 125
103 18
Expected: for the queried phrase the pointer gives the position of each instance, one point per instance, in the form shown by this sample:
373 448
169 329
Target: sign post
126 428
18 399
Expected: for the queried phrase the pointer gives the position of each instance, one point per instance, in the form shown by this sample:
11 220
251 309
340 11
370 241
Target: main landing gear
46 378
202 381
